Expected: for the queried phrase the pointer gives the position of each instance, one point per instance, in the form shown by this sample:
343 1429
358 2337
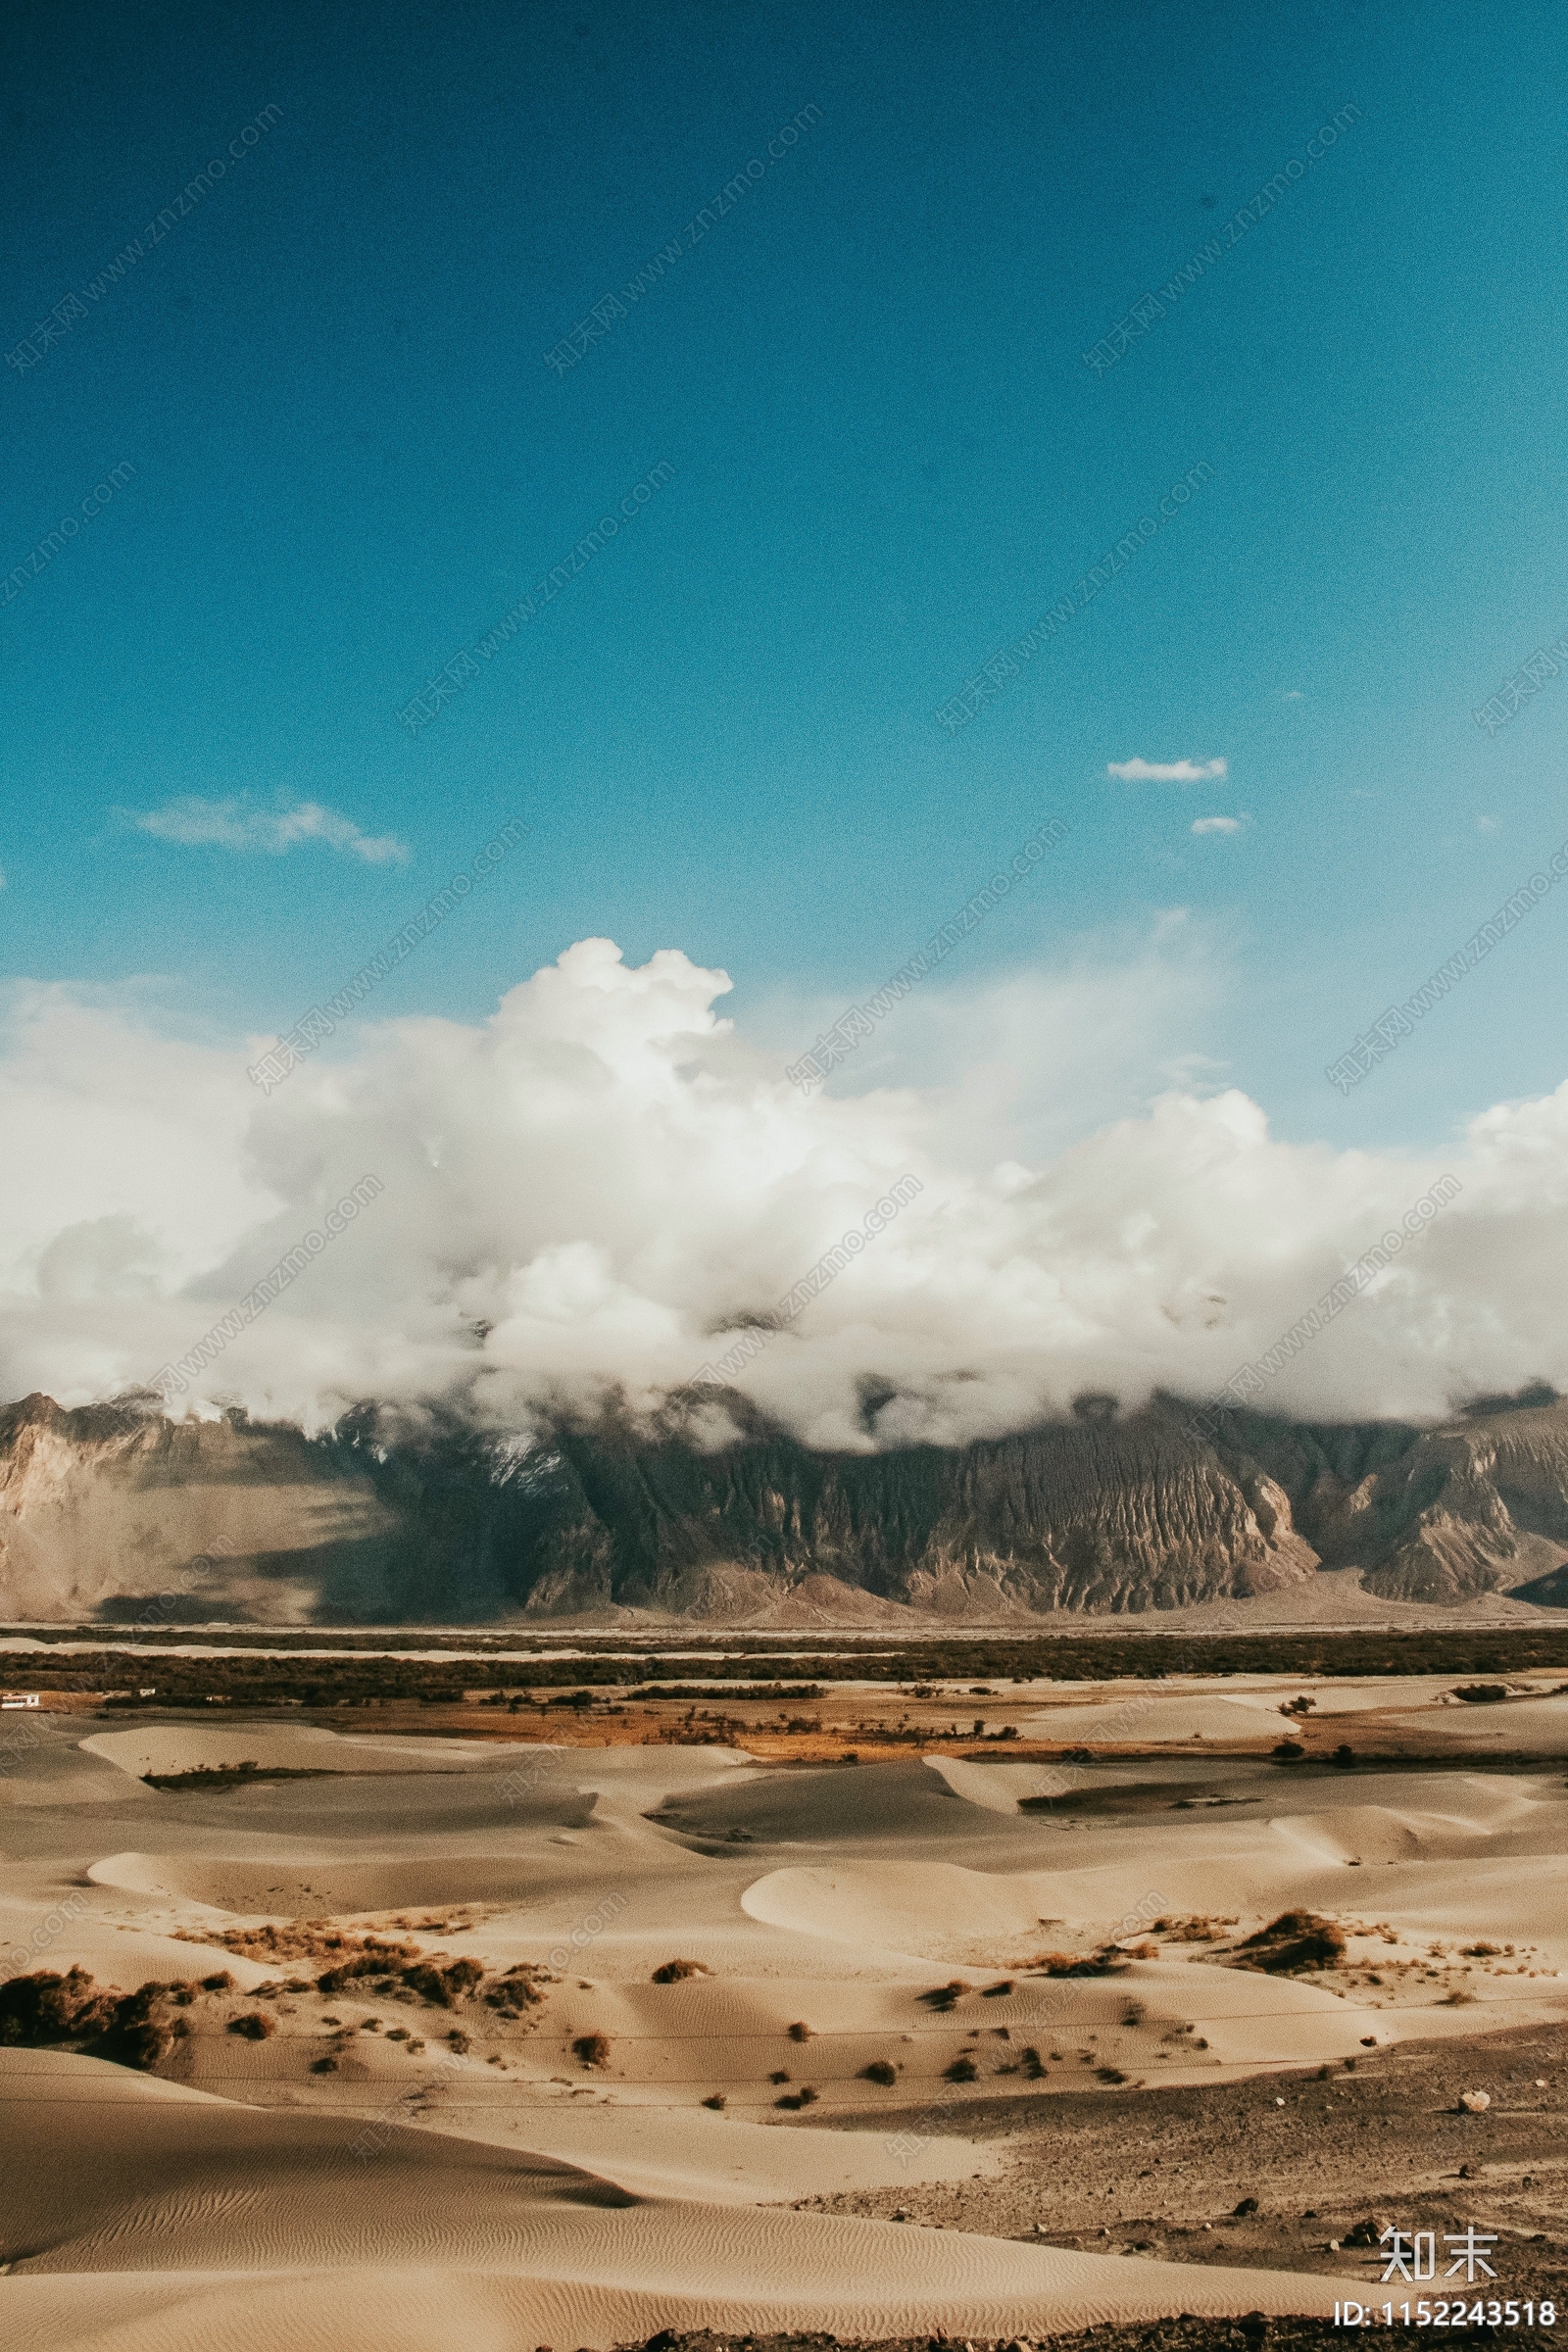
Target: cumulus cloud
1020 1062
1165 771
238 824
598 1187
1217 824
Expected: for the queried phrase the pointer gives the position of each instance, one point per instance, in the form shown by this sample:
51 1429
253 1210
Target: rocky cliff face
1479 1505
115 1514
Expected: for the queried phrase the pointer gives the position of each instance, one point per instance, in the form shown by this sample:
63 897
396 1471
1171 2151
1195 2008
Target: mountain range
114 1513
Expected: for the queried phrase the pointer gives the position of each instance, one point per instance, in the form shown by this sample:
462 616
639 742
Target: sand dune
330 1883
926 1910
518 2192
997 1786
165 2221
386 2309
194 1748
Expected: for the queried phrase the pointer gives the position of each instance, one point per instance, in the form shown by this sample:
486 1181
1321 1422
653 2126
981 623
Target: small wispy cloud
1217 824
1486 824
1165 771
238 824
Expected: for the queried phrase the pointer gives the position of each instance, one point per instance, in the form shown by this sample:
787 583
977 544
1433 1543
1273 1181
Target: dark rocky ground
1183 2334
1162 2173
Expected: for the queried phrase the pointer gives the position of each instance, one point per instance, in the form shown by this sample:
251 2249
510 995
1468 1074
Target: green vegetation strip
349 1679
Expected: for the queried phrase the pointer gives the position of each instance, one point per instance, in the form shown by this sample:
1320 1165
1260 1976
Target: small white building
19 1698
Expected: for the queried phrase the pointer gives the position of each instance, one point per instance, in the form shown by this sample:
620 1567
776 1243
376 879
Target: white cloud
1020 1064
237 824
1217 824
1486 824
1165 771
581 1190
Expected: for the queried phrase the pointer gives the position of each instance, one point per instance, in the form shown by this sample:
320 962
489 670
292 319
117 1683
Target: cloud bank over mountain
589 1190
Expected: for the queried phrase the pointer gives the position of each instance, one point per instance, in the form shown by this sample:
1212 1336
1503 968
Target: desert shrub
348 1972
1134 2013
220 1981
962 2070
516 1992
398 2034
1295 1939
299 1939
255 2024
444 1981
132 2033
946 1996
800 2030
1033 2064
675 1972
1483 1952
880 2071
717 2103
47 2007
1287 1751
591 2048
780 2074
458 2040
1482 1695
1110 2074
324 2066
994 1992
807 2095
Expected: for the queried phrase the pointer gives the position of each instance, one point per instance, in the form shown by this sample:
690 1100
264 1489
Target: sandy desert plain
624 2030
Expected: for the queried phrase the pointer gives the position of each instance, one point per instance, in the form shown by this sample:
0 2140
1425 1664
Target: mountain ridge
112 1511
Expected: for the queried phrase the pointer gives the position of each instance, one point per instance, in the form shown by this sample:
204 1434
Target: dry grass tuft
295 1940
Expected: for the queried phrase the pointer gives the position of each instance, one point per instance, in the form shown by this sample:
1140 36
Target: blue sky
889 459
